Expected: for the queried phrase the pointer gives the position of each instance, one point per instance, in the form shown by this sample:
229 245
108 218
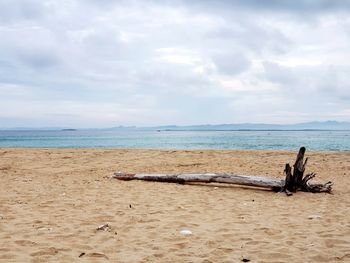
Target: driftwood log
294 181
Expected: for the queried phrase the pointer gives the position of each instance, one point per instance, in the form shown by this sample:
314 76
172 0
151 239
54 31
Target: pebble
314 217
185 232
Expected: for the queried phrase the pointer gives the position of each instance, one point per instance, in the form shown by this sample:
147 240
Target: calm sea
246 140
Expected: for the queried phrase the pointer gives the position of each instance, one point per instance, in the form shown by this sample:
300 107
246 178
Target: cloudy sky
103 63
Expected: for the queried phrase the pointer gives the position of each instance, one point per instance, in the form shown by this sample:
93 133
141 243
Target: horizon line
170 126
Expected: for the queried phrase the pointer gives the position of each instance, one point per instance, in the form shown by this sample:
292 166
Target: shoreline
167 149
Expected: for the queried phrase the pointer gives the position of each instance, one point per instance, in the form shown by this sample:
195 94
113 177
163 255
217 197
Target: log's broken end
123 176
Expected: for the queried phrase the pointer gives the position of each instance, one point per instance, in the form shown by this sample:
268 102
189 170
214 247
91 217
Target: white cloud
106 63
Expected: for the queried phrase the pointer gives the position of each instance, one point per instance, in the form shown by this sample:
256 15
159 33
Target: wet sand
52 201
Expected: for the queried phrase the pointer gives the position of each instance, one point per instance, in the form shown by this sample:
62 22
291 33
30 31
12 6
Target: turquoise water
245 140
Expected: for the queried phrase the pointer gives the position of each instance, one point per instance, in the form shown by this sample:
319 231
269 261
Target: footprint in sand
7 256
25 243
330 243
44 252
96 255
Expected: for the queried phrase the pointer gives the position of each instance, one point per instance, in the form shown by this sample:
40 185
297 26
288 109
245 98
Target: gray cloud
38 59
326 81
162 62
12 11
231 64
278 5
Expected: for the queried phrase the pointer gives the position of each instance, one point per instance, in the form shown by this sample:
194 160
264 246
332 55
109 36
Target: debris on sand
105 227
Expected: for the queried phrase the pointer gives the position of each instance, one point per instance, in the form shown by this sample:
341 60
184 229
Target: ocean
235 140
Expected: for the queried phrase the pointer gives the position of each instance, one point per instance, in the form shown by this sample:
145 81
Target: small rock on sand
314 217
185 232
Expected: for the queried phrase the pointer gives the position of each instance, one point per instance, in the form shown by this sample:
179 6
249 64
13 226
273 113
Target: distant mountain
316 125
326 125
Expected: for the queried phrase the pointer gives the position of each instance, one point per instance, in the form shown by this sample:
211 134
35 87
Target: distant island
68 129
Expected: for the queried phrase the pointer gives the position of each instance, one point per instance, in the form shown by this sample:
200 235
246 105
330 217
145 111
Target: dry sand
52 201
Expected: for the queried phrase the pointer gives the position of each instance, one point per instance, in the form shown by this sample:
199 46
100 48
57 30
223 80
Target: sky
105 63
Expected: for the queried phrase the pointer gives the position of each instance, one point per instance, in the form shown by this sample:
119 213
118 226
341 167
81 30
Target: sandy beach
52 201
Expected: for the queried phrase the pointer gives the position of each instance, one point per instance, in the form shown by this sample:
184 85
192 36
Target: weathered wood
295 181
288 187
256 181
299 168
